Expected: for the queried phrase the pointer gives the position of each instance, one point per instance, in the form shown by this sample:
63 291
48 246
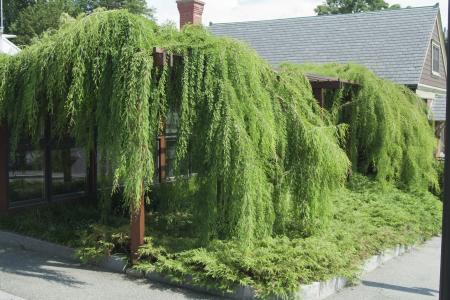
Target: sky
218 11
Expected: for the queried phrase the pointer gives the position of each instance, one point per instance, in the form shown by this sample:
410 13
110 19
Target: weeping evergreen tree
267 156
390 135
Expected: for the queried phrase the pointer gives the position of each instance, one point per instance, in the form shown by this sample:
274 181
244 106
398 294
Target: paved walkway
33 276
412 276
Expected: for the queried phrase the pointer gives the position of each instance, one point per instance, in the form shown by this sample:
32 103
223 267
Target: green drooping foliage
266 155
85 84
389 134
245 110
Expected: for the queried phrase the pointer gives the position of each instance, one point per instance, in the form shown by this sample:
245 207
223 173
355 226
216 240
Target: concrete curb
119 264
314 291
324 289
116 263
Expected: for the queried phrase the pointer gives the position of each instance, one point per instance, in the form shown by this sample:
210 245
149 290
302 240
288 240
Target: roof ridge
436 7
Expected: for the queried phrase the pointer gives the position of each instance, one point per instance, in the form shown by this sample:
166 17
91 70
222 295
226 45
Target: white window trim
434 44
425 94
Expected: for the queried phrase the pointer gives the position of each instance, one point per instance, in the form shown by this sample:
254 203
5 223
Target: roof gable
429 78
392 43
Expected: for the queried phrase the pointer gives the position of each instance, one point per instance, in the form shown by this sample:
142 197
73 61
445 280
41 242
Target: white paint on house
6 46
425 94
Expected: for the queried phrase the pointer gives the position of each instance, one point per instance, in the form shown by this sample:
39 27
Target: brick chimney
190 12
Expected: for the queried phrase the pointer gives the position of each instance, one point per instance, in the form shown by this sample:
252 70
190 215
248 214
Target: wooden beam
159 57
318 94
162 158
4 169
137 228
332 85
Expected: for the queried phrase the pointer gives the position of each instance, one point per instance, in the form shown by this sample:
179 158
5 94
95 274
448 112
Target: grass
367 218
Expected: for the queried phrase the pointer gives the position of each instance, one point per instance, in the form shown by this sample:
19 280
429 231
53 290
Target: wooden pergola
321 83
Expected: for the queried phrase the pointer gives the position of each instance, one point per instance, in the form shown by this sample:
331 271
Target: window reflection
171 145
68 170
26 174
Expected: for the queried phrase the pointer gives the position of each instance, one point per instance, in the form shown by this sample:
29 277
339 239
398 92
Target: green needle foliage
389 133
266 155
367 218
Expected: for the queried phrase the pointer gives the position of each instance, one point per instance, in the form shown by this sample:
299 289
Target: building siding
427 77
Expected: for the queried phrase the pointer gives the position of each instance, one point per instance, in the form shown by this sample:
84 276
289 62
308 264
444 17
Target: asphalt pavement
33 276
412 276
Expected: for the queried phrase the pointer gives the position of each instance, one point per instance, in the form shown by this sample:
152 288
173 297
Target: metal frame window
57 165
166 151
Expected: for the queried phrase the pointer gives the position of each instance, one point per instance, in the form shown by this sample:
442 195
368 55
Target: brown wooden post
137 228
162 158
160 59
318 94
3 169
137 219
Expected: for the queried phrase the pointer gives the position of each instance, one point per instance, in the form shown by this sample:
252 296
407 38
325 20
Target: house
405 46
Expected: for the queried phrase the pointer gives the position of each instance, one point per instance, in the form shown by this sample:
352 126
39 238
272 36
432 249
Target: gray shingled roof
392 43
438 107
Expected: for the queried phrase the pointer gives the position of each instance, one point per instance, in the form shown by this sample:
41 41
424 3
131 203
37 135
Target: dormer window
435 58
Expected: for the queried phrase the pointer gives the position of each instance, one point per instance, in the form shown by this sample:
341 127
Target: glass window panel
156 163
170 158
68 170
436 54
171 145
172 121
26 174
103 167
